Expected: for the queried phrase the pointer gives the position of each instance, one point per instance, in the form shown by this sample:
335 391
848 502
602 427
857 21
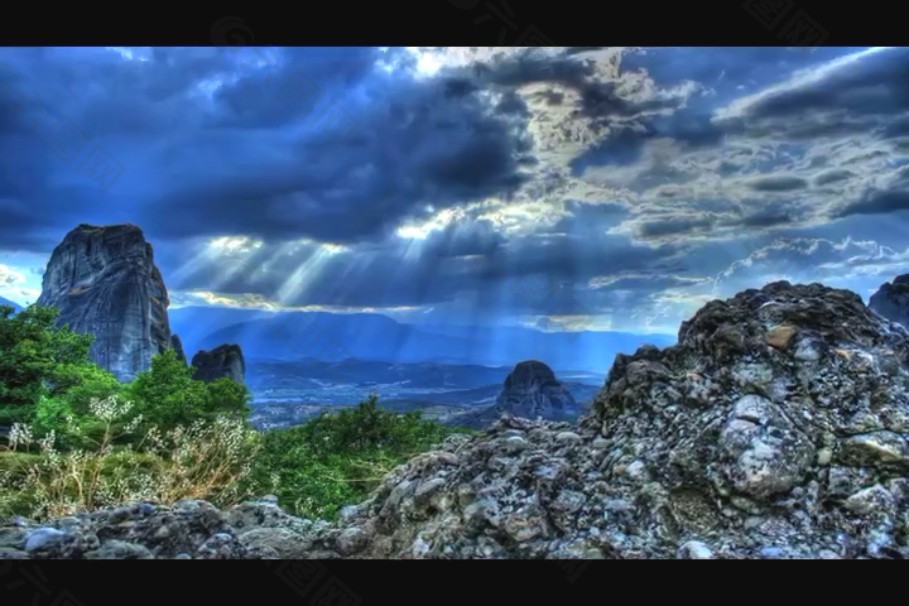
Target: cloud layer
565 188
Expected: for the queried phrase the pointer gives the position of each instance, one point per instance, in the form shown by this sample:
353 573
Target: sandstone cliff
104 282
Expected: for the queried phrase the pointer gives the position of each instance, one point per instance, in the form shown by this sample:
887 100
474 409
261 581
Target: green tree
37 359
228 398
166 395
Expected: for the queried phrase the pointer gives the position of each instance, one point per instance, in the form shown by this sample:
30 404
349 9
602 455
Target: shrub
203 460
167 396
337 459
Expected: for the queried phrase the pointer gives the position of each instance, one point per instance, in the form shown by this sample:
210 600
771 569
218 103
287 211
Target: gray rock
105 283
177 345
44 539
283 542
223 361
875 499
13 537
351 540
695 550
531 391
120 550
766 454
8 553
892 300
221 546
568 437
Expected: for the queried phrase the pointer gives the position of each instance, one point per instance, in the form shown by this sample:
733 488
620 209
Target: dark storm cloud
834 176
691 128
318 145
778 183
671 226
877 84
279 95
321 145
768 217
877 202
868 94
728 70
601 100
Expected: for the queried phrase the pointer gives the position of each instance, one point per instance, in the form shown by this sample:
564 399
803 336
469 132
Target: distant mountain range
283 336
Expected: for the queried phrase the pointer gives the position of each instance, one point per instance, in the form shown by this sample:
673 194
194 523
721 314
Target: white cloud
10 276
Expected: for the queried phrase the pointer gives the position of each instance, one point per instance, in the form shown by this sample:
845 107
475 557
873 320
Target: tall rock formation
223 361
532 391
105 283
892 300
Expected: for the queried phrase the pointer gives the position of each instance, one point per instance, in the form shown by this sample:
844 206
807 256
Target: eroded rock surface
729 444
223 361
892 300
104 282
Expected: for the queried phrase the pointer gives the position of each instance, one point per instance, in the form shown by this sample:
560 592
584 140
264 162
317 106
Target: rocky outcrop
530 391
104 282
892 300
777 427
177 345
188 529
223 361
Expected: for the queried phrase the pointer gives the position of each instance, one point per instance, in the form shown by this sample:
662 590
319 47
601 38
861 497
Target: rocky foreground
776 428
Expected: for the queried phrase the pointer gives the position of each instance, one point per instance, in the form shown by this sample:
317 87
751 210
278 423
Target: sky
562 188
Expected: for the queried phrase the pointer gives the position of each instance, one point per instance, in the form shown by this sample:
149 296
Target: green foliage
336 459
37 359
95 383
228 398
167 396
166 435
205 460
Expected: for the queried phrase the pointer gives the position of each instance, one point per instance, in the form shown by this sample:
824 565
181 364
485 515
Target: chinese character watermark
30 576
501 12
791 25
233 31
310 579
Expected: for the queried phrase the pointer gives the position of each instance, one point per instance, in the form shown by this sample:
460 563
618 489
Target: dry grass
204 461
